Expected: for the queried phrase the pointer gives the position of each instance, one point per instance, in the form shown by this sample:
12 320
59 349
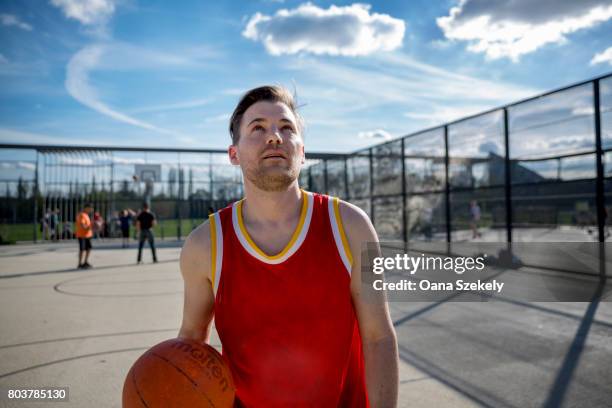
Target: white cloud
602 57
80 161
500 28
18 136
196 103
224 117
441 44
378 134
583 110
10 20
233 91
119 56
375 93
18 165
396 78
346 30
124 160
3 59
79 87
87 12
439 114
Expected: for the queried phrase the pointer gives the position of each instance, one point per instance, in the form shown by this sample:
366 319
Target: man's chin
274 180
275 170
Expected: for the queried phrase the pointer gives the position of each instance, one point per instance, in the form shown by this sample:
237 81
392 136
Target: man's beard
270 179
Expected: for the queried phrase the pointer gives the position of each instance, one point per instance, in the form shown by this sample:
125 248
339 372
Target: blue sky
168 74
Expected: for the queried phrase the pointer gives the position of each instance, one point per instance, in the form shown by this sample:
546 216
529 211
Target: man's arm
198 306
153 219
79 221
375 326
86 225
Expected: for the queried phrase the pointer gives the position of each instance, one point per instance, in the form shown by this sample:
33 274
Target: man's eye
287 128
258 127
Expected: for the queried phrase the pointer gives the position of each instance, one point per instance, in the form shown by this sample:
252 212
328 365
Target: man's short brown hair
270 93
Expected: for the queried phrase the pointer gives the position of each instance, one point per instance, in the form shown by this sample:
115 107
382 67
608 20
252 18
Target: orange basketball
179 373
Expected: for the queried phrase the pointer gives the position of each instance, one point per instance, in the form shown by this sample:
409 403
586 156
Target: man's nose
274 136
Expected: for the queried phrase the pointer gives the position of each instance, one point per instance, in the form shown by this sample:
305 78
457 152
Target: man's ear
232 151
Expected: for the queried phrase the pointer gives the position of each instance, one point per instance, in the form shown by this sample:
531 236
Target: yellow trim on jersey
347 248
213 248
294 237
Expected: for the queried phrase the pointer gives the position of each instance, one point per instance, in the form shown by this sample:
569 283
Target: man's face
270 150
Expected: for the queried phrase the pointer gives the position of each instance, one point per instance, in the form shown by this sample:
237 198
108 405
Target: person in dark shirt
125 220
144 224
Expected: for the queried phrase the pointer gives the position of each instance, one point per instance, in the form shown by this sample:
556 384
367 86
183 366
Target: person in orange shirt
84 232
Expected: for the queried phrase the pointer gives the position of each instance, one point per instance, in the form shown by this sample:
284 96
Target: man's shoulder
356 223
195 253
198 239
352 214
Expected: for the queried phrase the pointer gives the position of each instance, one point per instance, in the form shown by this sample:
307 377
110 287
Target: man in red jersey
280 271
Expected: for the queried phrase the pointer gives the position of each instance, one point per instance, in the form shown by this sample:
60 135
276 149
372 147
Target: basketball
179 373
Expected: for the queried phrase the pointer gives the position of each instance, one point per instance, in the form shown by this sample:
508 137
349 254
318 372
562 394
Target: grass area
10 233
168 229
165 229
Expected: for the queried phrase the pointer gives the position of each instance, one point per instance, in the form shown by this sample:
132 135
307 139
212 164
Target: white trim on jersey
339 235
216 249
294 244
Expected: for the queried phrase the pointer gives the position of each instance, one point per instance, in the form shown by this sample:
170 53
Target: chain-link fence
535 170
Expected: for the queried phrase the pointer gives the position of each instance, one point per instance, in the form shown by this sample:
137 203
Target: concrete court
84 328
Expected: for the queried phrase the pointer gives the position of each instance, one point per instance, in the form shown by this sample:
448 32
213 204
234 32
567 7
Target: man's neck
271 206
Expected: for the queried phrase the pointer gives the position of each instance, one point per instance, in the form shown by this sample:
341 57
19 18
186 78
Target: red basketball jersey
287 323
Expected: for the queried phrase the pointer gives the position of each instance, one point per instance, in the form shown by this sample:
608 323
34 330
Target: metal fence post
346 182
178 199
404 218
113 207
508 179
371 152
211 183
447 185
325 181
35 236
599 182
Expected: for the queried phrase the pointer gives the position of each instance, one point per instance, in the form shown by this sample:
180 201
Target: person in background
144 224
98 225
84 232
475 218
54 224
44 224
67 231
124 222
